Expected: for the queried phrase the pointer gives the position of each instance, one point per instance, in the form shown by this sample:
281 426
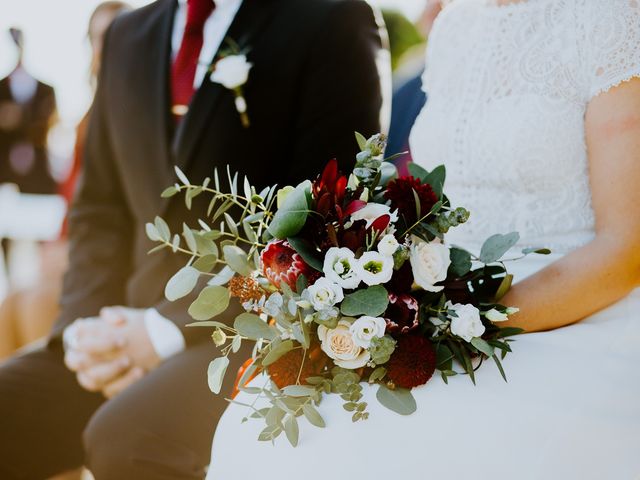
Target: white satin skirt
570 410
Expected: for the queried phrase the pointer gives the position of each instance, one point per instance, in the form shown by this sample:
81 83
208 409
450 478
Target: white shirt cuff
165 336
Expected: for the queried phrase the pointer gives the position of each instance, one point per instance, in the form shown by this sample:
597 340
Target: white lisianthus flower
372 212
466 324
388 245
323 294
338 267
366 328
429 263
339 345
374 268
494 315
232 71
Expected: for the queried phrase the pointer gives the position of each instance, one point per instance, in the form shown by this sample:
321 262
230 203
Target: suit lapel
156 104
249 21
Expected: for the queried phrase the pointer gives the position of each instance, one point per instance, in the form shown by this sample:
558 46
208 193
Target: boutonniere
232 71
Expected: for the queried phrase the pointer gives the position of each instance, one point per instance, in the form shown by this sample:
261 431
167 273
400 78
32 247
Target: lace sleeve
613 44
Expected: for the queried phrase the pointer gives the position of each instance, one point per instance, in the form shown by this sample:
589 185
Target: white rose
232 71
494 315
374 268
338 267
429 263
388 245
366 328
466 324
338 344
323 294
372 212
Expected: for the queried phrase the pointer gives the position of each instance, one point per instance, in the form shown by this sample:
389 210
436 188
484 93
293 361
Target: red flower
400 192
281 263
412 363
401 314
329 189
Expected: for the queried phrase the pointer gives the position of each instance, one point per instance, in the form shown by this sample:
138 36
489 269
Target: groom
125 393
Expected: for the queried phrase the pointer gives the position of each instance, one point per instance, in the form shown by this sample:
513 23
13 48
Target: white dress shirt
165 336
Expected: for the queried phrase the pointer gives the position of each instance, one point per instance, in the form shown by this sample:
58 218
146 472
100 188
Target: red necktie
184 66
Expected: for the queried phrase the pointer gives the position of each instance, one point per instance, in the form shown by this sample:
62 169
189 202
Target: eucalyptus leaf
417 171
399 400
460 261
181 176
299 391
277 352
222 277
169 192
372 301
189 238
181 283
504 287
236 259
152 232
362 141
539 251
212 301
497 245
215 373
253 327
236 343
205 264
313 416
436 179
162 229
292 215
291 429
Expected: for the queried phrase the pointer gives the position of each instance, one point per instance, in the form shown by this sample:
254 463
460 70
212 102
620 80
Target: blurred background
46 88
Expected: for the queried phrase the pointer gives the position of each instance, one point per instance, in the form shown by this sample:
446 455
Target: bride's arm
608 268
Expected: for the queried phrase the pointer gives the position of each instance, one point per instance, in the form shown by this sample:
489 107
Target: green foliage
292 215
253 327
497 245
236 258
307 252
216 372
399 400
276 351
181 283
460 262
381 349
372 301
212 301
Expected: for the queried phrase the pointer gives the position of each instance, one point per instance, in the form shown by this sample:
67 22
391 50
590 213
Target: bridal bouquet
343 281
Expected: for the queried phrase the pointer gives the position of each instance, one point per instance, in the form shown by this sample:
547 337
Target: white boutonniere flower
232 72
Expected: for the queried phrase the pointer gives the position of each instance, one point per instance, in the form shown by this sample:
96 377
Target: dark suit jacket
315 80
26 126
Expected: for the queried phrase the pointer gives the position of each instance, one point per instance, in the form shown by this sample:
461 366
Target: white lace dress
508 88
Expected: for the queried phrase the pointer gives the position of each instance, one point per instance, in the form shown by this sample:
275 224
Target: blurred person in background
117 387
408 96
27 315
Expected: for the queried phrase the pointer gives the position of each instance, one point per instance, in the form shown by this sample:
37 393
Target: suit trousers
160 428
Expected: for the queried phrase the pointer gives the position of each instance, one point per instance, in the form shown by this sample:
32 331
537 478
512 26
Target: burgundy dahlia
281 263
401 314
412 363
400 192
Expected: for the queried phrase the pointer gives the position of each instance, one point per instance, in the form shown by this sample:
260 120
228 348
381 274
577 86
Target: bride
534 107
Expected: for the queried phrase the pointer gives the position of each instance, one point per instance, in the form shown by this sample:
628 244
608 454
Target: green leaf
181 284
377 374
215 373
181 176
237 260
152 232
460 261
362 141
212 301
169 192
436 179
253 327
417 171
299 391
270 433
399 400
312 415
539 251
277 352
372 301
482 346
292 215
205 264
307 252
497 245
189 238
291 429
233 228
163 229
207 323
444 357
509 332
499 365
274 416
236 343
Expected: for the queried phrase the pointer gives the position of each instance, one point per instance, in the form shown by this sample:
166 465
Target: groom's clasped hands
110 352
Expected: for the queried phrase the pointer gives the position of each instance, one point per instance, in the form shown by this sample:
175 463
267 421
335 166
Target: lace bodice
507 88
